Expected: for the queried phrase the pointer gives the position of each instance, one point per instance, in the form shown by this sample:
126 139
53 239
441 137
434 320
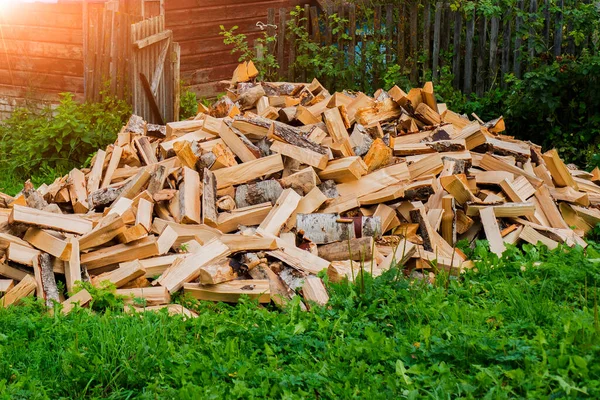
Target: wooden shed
53 46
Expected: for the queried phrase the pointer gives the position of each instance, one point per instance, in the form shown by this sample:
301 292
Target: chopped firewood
107 229
81 298
151 296
313 290
23 289
248 216
351 249
49 243
231 292
283 191
305 156
44 219
78 191
187 269
248 171
284 207
492 232
532 236
559 171
119 277
6 285
337 130
140 249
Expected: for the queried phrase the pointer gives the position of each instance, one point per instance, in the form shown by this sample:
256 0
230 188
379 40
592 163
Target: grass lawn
523 326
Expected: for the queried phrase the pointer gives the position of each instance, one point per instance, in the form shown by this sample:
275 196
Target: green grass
522 326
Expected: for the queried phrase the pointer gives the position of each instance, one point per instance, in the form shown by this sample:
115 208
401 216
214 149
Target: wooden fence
132 58
107 51
424 36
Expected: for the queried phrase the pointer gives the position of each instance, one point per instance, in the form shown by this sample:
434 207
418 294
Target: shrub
50 142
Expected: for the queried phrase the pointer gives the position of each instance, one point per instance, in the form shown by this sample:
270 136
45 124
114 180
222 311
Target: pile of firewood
276 182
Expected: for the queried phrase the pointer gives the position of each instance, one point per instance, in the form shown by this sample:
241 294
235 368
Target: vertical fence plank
271 30
328 27
91 57
401 52
414 14
314 22
281 43
292 51
547 21
389 33
426 36
176 79
558 28
494 29
114 47
437 28
481 75
352 34
532 19
306 25
456 57
467 86
506 35
518 40
446 19
363 62
377 39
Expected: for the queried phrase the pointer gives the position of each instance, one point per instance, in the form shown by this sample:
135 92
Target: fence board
414 12
426 35
401 34
437 28
456 45
467 86
558 29
480 77
506 35
494 29
518 40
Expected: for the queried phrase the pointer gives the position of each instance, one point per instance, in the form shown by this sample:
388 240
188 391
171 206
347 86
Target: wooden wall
205 60
41 52
42 49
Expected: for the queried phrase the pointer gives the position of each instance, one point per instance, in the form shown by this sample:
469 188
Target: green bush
555 105
50 142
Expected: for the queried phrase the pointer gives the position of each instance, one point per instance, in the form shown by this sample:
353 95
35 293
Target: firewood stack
276 182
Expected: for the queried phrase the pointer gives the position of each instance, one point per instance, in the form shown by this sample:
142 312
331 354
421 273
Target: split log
351 249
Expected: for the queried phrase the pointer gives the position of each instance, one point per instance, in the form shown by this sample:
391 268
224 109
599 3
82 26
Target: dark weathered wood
328 28
314 22
467 86
547 21
558 28
456 57
414 15
352 33
533 7
506 35
401 52
446 29
291 38
518 40
389 33
437 29
480 77
377 37
306 26
281 41
271 29
426 36
493 71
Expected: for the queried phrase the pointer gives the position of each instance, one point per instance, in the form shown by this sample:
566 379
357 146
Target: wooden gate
155 71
